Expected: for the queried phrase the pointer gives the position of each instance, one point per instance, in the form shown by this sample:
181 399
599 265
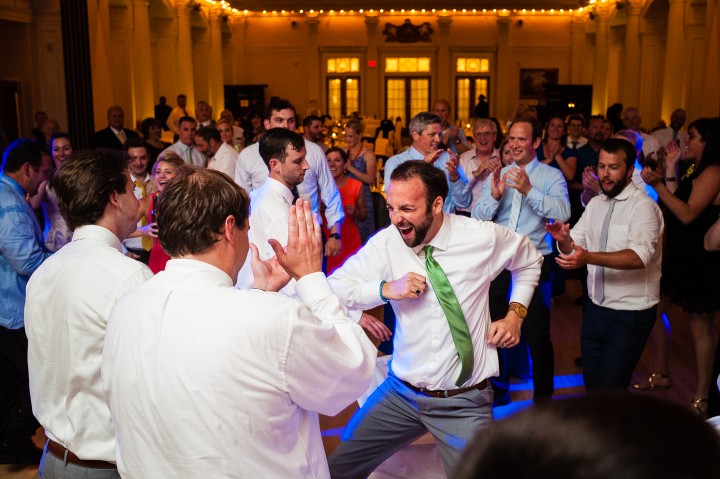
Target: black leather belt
445 393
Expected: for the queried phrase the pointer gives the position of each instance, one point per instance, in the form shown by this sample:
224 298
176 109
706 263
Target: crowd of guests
228 210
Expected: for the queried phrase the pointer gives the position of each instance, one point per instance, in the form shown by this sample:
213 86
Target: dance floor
566 316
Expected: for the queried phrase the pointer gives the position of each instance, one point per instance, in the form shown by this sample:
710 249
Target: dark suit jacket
105 138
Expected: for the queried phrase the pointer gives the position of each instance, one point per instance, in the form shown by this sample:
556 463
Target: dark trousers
17 423
612 342
535 328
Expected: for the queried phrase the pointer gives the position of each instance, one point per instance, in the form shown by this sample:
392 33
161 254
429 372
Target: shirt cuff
313 288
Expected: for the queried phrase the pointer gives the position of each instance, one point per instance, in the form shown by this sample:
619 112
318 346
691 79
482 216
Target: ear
275 165
437 205
266 123
25 168
415 135
229 230
536 143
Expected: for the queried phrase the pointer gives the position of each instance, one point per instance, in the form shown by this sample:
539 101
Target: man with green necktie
435 270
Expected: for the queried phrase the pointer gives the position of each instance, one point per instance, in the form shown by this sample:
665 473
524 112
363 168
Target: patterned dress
367 226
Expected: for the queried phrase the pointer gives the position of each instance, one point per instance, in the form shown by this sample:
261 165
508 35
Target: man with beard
619 238
313 132
434 269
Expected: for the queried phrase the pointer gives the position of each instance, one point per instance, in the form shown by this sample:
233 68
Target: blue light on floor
666 322
566 381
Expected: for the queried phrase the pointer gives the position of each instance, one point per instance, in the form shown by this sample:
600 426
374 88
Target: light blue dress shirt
460 194
547 200
21 251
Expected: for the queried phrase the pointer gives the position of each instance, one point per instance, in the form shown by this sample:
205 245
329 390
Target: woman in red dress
165 169
354 204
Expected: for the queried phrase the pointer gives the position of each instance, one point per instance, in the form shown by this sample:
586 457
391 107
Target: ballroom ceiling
258 5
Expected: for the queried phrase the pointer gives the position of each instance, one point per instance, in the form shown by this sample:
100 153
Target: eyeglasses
484 134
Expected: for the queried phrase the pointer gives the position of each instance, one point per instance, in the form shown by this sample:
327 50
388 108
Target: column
444 69
216 77
577 48
313 61
238 27
600 67
372 88
631 69
711 71
142 69
674 74
185 81
505 74
78 70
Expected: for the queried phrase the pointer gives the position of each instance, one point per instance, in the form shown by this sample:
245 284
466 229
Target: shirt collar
14 184
280 189
442 237
117 132
143 181
199 272
99 233
531 166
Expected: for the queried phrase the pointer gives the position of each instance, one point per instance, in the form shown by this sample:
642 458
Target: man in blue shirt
523 197
426 129
25 166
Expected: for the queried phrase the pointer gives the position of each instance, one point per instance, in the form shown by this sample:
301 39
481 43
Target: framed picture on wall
534 81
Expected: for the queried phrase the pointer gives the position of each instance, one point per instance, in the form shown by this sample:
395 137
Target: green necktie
456 319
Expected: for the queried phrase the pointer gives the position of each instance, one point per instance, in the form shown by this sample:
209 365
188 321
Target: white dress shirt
469 162
650 144
180 148
665 136
224 160
208 381
269 211
251 172
471 253
69 299
637 224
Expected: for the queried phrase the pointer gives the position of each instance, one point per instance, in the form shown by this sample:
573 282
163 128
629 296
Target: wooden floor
565 320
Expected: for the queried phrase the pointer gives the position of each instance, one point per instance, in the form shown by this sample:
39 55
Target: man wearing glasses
480 161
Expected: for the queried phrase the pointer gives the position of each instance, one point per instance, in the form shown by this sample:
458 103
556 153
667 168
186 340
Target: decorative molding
407 32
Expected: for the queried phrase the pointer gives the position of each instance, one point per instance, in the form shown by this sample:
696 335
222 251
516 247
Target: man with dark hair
185 146
318 186
575 132
68 306
425 130
522 197
229 382
602 436
283 152
138 244
114 136
24 167
312 131
221 156
619 238
435 270
162 112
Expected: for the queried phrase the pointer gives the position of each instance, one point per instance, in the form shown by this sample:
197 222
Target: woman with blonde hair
361 165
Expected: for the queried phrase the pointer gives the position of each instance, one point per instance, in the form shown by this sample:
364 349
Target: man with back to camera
435 270
619 238
228 383
425 130
318 185
523 197
67 309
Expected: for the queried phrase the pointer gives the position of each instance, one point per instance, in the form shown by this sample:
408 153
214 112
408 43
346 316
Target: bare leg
704 341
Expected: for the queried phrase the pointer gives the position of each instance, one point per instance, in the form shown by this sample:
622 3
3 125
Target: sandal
654 381
700 407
